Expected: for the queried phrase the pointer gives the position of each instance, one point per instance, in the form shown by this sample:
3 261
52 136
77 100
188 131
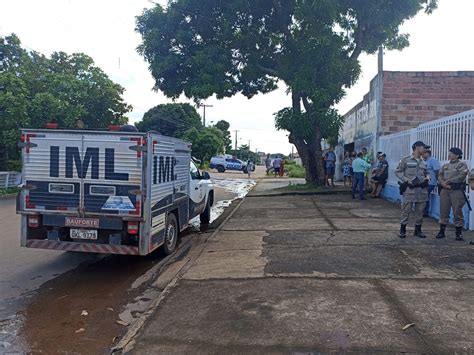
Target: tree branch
269 71
306 103
356 52
296 105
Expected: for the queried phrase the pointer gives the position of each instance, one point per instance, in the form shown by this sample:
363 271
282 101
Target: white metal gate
442 134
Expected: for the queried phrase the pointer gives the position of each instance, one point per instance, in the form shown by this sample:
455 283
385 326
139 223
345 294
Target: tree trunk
309 151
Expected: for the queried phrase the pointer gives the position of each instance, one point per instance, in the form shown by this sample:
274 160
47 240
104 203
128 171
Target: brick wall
411 98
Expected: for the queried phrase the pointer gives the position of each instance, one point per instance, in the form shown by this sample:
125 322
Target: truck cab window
194 171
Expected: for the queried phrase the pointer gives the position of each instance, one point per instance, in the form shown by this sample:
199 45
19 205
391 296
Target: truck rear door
82 173
115 187
50 184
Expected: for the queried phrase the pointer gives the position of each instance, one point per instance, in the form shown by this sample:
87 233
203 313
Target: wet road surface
81 303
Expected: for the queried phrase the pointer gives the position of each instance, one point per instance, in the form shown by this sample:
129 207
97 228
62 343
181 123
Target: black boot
418 233
459 236
441 234
403 231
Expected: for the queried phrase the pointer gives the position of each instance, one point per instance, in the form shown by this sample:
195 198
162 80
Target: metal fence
441 134
9 179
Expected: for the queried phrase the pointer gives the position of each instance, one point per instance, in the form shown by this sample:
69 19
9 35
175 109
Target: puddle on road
9 329
52 321
229 190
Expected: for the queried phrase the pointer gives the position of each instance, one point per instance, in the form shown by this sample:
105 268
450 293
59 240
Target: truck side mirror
206 176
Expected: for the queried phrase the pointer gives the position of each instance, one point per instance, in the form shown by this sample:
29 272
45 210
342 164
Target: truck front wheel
205 217
220 168
171 234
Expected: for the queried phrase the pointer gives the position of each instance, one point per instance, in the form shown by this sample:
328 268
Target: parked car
227 162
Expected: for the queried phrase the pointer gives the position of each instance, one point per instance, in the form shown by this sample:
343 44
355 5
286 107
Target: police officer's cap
456 151
420 144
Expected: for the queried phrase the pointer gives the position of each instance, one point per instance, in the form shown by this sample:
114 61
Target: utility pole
235 142
204 116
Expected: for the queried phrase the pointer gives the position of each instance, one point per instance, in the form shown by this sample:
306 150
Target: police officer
412 172
451 182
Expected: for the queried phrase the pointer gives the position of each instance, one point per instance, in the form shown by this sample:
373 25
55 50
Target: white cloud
105 31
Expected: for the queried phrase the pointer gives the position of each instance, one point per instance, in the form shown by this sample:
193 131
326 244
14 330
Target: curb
293 193
126 343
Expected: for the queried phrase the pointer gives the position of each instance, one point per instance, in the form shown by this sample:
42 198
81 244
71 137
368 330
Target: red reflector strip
27 202
140 141
27 139
137 207
61 208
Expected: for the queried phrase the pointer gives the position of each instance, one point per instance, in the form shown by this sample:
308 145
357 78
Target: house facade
398 101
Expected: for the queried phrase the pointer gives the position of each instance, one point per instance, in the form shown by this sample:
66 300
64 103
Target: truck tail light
132 227
33 221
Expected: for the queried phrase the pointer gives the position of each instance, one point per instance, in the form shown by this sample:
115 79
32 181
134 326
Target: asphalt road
38 286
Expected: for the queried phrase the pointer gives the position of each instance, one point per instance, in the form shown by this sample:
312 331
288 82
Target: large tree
170 119
36 89
214 47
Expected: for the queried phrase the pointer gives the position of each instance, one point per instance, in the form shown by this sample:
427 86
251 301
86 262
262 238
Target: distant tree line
35 89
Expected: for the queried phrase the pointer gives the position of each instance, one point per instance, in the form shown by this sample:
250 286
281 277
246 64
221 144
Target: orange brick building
398 101
411 98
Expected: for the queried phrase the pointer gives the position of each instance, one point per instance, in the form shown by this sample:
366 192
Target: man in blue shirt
360 167
433 170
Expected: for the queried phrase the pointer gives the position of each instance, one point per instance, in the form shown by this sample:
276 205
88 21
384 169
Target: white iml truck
108 192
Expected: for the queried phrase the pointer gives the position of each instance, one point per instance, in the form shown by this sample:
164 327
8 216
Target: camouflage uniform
407 170
452 174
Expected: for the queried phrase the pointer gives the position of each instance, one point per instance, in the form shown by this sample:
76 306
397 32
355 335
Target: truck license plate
89 234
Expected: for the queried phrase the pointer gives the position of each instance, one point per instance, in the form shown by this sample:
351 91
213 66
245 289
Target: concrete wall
411 98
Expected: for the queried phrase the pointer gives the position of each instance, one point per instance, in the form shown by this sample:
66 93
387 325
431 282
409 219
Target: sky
105 31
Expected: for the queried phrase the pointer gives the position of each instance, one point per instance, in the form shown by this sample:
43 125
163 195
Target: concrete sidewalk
302 274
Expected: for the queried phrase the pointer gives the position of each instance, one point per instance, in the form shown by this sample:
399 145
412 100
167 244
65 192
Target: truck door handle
196 188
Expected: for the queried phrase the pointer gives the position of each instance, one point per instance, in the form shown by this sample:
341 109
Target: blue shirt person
360 167
433 171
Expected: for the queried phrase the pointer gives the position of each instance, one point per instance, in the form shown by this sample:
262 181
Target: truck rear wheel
220 168
205 217
171 234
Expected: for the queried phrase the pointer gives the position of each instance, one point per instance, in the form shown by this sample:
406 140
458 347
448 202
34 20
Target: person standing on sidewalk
381 176
268 163
347 169
368 159
452 178
277 165
412 173
360 167
433 171
250 167
282 168
330 160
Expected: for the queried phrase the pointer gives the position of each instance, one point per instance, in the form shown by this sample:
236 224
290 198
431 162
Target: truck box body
101 191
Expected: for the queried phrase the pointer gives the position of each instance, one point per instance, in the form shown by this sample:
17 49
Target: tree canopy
224 126
170 119
36 89
201 48
207 142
